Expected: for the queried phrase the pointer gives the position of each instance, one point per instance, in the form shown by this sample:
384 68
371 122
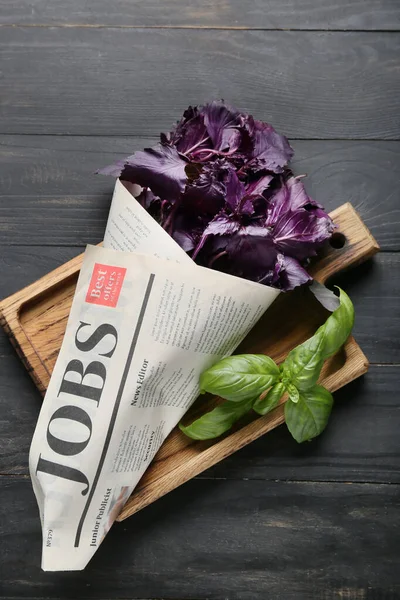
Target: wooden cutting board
35 319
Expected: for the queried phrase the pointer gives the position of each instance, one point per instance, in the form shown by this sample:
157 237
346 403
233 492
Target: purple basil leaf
220 185
254 197
222 124
153 204
221 225
252 249
246 207
256 189
289 273
207 192
325 296
289 195
179 128
234 192
190 133
187 228
114 170
161 169
185 239
298 223
299 234
278 201
240 198
298 195
195 136
165 139
213 246
253 255
271 151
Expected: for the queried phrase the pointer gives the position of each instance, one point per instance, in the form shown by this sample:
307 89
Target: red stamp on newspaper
105 285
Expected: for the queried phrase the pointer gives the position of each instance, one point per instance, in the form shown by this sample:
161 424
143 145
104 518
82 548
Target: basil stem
270 400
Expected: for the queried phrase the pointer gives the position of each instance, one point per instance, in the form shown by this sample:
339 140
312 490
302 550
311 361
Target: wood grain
247 540
237 540
124 82
360 444
179 459
273 14
373 287
50 195
36 317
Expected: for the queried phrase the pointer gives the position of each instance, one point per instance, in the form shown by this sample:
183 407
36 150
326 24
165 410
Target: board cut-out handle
351 243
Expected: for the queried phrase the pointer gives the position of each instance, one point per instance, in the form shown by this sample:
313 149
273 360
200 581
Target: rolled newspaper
141 330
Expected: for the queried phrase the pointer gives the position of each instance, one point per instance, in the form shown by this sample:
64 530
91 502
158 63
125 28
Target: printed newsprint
140 332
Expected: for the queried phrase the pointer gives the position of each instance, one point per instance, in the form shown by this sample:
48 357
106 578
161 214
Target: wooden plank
275 14
360 443
20 405
373 287
35 317
242 540
42 166
49 193
24 264
122 81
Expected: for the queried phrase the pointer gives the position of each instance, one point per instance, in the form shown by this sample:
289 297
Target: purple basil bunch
220 185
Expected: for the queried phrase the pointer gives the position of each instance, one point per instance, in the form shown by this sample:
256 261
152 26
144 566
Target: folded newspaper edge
140 332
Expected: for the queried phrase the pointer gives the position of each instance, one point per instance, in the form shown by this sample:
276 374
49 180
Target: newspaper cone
140 332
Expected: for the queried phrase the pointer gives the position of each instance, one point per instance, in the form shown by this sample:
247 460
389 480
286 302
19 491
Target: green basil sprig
254 381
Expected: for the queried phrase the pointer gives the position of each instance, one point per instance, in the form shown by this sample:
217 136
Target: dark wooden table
83 83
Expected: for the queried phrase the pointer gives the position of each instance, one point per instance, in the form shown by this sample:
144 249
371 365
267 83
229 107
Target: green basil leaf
293 392
309 416
303 364
240 377
337 327
217 421
263 405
